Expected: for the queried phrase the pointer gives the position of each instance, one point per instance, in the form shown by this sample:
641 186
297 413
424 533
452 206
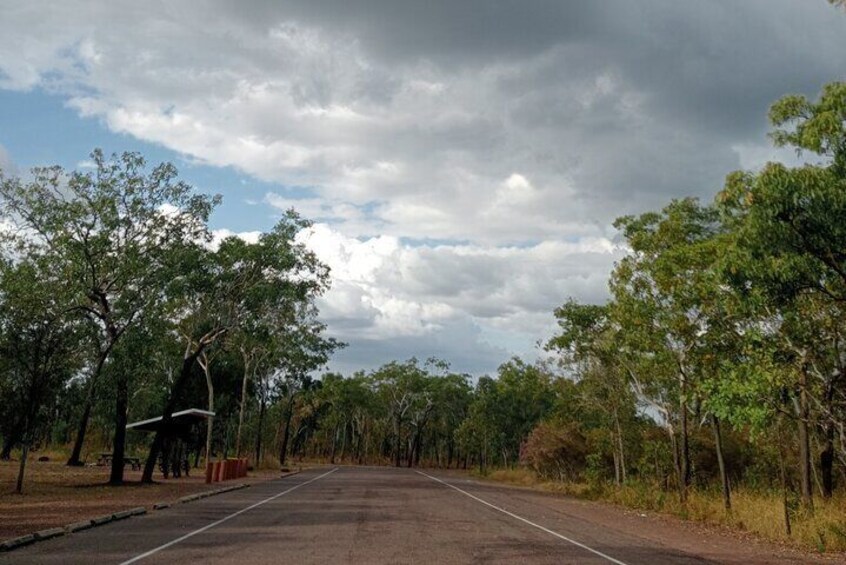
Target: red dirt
56 495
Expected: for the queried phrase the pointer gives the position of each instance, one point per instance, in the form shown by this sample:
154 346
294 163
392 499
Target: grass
756 512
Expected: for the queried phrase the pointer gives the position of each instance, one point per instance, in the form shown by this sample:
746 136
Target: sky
462 161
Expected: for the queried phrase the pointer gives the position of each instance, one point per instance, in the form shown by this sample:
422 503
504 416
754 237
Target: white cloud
385 290
220 234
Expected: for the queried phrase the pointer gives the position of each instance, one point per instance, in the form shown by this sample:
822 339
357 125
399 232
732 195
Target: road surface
379 515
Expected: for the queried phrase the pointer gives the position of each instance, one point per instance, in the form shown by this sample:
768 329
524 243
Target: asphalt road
381 515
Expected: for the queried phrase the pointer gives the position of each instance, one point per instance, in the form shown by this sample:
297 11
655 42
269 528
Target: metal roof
177 417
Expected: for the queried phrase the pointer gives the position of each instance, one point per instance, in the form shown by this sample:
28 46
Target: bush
555 452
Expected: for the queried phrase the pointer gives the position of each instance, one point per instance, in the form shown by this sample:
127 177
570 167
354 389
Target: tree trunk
412 444
344 433
615 456
785 502
283 451
241 411
827 462
677 458
397 443
74 460
163 430
806 487
22 466
205 365
418 449
11 440
262 411
718 443
685 450
119 447
620 446
334 445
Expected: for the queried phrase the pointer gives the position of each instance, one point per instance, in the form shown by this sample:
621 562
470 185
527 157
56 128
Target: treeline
114 304
411 413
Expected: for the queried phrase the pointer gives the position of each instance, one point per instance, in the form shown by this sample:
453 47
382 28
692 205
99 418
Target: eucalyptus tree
111 232
660 290
303 350
451 394
218 292
588 346
402 388
352 415
790 244
37 343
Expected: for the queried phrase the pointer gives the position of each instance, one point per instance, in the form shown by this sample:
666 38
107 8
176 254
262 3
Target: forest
718 364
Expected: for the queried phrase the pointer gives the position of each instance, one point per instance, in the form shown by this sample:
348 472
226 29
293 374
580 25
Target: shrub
555 452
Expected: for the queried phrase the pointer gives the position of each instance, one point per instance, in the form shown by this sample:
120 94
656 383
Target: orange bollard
209 469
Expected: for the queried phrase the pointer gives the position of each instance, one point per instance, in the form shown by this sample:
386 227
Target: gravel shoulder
720 544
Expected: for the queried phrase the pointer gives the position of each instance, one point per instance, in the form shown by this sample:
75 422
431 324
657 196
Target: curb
79 526
15 543
201 495
49 533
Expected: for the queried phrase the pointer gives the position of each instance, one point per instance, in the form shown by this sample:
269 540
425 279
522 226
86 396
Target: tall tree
790 241
37 341
111 232
659 290
220 290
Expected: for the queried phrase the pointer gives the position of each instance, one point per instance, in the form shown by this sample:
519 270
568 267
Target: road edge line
524 520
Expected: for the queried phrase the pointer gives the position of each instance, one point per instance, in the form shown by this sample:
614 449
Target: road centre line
524 520
222 520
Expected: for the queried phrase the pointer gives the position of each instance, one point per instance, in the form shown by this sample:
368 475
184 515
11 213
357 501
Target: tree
37 340
112 233
587 343
790 244
221 291
402 386
661 291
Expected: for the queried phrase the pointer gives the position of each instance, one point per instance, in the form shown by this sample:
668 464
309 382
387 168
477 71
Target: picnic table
106 459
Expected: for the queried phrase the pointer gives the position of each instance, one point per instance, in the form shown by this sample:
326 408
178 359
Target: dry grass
56 495
760 513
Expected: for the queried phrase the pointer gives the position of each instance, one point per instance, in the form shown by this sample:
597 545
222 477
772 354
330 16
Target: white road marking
222 520
529 522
